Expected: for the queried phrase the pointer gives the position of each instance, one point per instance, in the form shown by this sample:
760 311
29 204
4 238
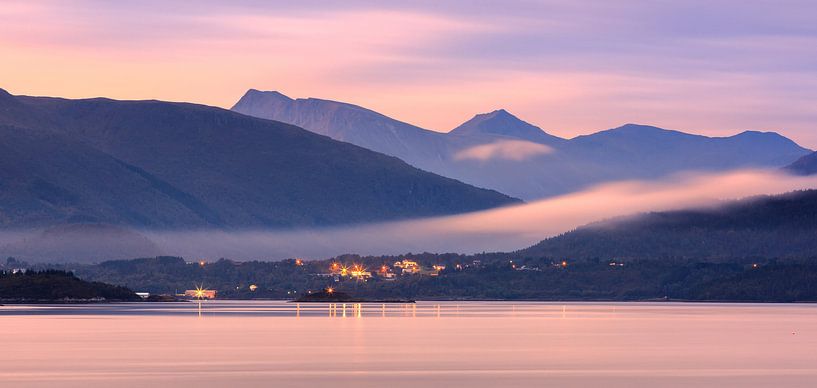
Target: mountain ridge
170 165
628 152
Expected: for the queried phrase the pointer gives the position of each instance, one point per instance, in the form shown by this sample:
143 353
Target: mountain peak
760 134
5 96
639 128
271 94
635 132
255 99
499 114
502 123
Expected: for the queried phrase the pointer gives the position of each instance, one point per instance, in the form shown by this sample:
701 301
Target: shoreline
388 301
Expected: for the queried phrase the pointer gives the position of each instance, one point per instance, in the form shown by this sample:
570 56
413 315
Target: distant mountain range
766 227
497 150
162 165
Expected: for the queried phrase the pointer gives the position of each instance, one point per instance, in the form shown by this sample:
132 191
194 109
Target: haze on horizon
495 230
502 229
702 67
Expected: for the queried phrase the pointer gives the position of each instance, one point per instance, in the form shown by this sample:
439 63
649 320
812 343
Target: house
408 266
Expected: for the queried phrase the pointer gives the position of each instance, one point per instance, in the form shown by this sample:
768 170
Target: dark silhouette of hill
58 286
767 227
154 164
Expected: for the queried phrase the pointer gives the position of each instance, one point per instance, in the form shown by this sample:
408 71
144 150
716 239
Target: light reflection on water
474 344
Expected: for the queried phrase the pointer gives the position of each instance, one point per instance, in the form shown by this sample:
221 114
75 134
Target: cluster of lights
199 292
358 270
354 270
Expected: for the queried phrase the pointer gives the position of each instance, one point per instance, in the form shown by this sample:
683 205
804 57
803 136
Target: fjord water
452 344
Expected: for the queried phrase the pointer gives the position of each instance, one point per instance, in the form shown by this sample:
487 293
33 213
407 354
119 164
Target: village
338 272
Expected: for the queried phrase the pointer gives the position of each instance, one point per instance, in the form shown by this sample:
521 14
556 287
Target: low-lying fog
504 229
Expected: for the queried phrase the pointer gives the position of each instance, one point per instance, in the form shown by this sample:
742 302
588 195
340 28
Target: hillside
783 226
525 279
806 165
350 123
153 164
498 150
56 287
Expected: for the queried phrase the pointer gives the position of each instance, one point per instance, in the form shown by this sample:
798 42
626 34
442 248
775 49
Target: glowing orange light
564 264
384 269
329 290
335 266
202 263
299 262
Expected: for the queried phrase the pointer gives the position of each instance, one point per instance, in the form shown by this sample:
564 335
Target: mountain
766 227
502 123
806 165
499 151
154 164
653 152
349 123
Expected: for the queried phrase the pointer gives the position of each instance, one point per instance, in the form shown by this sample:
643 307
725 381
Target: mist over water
503 229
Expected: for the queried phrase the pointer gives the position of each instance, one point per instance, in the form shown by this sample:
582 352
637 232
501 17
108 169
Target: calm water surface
431 344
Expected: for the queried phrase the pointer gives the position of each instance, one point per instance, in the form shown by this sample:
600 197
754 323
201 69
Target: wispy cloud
516 150
571 67
504 229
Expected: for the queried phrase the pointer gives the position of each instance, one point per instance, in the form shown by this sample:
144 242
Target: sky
709 67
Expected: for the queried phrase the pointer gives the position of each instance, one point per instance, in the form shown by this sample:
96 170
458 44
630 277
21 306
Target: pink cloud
503 229
568 68
516 150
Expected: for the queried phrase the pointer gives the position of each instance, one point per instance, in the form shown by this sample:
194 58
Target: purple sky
711 67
